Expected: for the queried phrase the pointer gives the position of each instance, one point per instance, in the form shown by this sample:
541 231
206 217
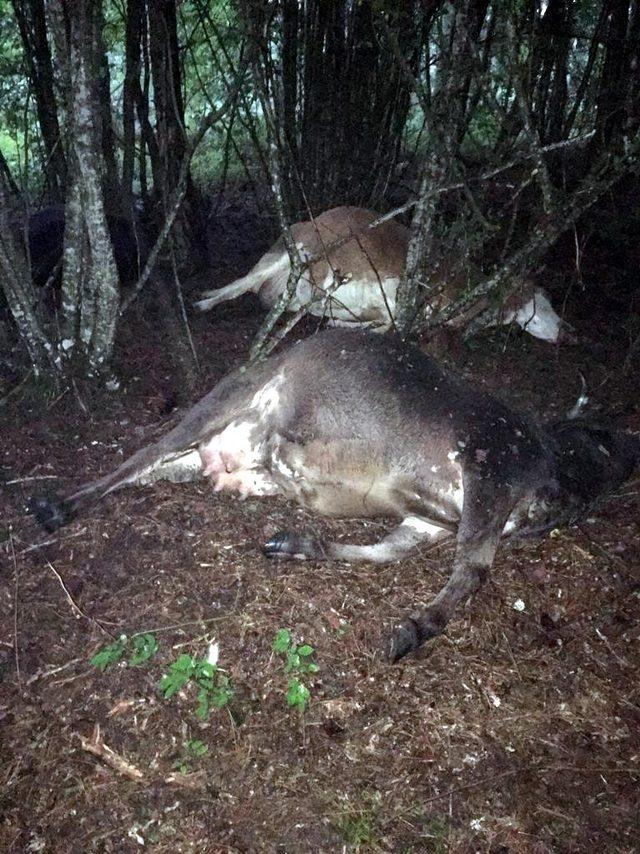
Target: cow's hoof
284 544
405 639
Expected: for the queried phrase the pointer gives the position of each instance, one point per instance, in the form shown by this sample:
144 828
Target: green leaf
144 648
184 663
170 685
180 671
109 654
181 766
293 662
305 650
282 640
313 668
204 670
204 704
297 694
197 747
224 692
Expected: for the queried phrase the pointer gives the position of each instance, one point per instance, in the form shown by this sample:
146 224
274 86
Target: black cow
353 424
46 237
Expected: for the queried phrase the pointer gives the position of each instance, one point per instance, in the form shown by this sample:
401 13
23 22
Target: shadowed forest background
153 149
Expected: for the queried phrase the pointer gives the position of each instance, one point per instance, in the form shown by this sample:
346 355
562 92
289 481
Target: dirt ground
518 731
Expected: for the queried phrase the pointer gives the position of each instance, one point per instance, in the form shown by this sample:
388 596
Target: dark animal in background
349 423
46 238
368 263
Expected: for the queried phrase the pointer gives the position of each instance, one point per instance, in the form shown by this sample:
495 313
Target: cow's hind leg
403 541
484 513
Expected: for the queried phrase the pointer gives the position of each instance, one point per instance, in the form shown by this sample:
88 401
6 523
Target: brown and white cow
367 263
348 423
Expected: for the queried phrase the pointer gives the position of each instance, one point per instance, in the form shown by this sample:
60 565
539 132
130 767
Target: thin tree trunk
30 15
18 290
90 289
189 233
111 181
135 10
448 120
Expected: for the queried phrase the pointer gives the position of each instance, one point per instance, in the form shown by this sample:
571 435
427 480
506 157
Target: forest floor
518 731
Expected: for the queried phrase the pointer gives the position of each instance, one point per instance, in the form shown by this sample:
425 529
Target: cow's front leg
403 541
484 514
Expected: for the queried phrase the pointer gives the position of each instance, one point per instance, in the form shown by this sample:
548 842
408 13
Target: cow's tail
174 457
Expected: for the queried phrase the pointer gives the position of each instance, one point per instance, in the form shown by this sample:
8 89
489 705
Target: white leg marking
538 318
421 526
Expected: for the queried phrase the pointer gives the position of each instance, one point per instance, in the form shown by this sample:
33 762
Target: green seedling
357 820
109 655
194 749
215 689
142 648
298 663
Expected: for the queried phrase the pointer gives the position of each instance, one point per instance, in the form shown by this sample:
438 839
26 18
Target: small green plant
356 821
299 664
194 749
110 654
142 648
214 687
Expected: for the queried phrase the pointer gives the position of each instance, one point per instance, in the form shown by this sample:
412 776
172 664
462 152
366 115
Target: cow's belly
361 300
351 478
340 477
343 497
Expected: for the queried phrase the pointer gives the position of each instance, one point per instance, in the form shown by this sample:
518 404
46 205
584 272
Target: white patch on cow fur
454 494
279 465
246 482
267 398
360 301
421 526
538 317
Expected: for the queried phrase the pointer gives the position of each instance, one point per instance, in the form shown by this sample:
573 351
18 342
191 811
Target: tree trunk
448 119
18 290
31 19
189 234
90 289
111 182
135 11
341 100
610 117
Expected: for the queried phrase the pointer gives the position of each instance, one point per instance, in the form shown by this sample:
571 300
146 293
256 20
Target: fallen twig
15 610
32 477
79 613
51 542
51 671
96 746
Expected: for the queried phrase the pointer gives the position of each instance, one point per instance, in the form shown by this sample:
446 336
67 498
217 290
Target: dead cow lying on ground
354 279
349 423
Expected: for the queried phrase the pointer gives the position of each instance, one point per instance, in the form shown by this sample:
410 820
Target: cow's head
593 458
